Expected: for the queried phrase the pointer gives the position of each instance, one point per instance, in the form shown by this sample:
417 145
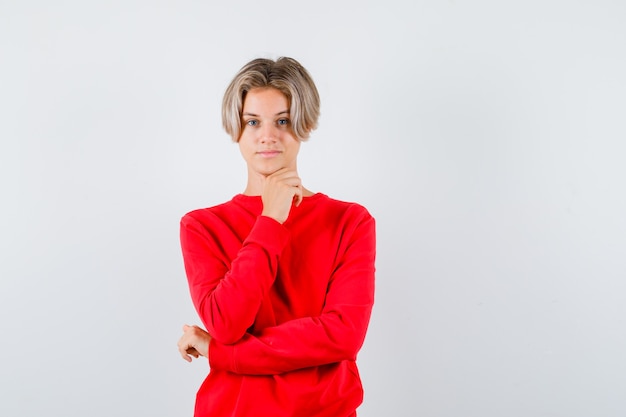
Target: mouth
268 153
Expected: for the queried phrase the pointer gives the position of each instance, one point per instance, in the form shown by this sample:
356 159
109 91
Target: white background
486 137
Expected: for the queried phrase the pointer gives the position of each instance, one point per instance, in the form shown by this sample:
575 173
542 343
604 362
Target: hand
194 342
280 190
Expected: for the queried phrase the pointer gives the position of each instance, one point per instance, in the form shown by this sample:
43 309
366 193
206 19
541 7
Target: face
267 142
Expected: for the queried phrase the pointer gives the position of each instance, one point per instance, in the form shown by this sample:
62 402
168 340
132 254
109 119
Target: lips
268 153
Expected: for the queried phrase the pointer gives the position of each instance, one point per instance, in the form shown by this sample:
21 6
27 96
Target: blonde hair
286 75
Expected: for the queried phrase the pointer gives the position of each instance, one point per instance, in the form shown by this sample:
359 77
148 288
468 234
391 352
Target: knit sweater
287 305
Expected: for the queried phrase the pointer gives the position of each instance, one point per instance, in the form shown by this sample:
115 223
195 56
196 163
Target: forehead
265 99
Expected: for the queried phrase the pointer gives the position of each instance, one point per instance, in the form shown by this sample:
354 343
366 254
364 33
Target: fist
281 190
194 342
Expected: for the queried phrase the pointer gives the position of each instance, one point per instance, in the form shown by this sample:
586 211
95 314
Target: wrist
271 215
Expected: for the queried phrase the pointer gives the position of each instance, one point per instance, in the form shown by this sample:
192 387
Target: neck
255 184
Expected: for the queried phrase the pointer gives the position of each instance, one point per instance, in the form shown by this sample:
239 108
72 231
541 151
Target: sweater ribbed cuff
269 234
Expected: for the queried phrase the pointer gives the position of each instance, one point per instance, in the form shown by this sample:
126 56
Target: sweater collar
255 204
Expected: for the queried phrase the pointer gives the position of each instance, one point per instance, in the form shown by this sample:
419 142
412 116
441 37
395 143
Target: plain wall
487 138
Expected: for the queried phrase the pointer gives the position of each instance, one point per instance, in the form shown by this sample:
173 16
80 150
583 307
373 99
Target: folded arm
335 335
227 295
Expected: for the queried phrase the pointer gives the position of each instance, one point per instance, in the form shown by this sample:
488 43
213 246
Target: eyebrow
256 115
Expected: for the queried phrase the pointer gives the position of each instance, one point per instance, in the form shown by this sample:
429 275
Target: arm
336 335
227 295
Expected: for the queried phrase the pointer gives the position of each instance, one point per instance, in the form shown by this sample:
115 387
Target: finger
183 346
282 174
279 172
183 354
298 196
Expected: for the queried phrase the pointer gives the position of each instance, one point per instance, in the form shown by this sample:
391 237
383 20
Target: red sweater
287 305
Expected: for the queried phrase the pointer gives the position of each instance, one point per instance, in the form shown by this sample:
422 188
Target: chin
268 170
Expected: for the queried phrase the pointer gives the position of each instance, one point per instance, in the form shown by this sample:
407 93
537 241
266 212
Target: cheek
295 147
244 147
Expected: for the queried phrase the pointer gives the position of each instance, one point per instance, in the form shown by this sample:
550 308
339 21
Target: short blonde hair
286 75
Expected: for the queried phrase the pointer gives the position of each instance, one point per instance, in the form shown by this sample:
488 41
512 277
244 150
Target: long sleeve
335 335
227 294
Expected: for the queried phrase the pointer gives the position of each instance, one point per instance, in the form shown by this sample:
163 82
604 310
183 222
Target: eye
252 122
283 122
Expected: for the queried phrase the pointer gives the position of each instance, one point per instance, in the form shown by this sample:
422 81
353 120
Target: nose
268 133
